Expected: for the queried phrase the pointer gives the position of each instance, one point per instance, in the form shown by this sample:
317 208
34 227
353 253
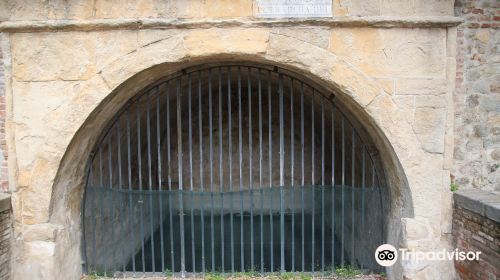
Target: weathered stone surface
379 52
226 41
408 7
41 110
133 8
152 36
81 9
318 37
407 105
111 45
484 203
429 127
39 58
149 55
421 86
67 85
386 7
41 260
40 232
214 8
430 101
416 229
46 59
40 249
495 155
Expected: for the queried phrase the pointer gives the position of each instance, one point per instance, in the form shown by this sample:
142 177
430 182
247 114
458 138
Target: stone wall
5 236
476 227
477 96
70 67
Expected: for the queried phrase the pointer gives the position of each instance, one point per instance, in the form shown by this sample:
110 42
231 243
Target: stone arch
126 75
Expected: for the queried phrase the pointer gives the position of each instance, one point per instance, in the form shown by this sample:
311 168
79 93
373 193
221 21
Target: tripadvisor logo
387 255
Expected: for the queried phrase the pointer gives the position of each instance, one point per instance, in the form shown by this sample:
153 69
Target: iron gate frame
368 148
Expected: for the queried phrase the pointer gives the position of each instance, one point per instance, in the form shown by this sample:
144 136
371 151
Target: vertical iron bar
230 160
202 206
101 207
353 225
150 180
110 170
302 170
342 189
193 256
282 174
373 186
333 188
181 191
129 172
270 169
160 193
118 139
250 165
93 225
312 178
363 198
141 199
169 179
221 178
260 180
241 169
322 188
210 127
292 171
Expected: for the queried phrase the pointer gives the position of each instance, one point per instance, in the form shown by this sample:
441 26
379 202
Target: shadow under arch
68 191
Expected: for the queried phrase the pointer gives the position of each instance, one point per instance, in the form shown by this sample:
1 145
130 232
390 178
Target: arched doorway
233 167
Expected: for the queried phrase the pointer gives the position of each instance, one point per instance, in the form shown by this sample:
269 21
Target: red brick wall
474 232
5 235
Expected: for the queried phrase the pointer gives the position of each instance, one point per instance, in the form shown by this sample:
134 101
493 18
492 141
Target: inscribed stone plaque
292 8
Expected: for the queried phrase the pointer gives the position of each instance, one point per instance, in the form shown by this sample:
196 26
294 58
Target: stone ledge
484 203
4 202
160 23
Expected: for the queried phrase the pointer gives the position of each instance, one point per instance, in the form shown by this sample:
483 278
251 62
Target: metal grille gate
231 168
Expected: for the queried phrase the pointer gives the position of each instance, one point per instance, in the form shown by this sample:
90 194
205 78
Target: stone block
481 202
430 101
417 8
36 57
214 8
417 86
361 8
429 125
40 232
490 103
316 36
40 249
416 229
380 52
133 9
492 210
451 44
216 41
